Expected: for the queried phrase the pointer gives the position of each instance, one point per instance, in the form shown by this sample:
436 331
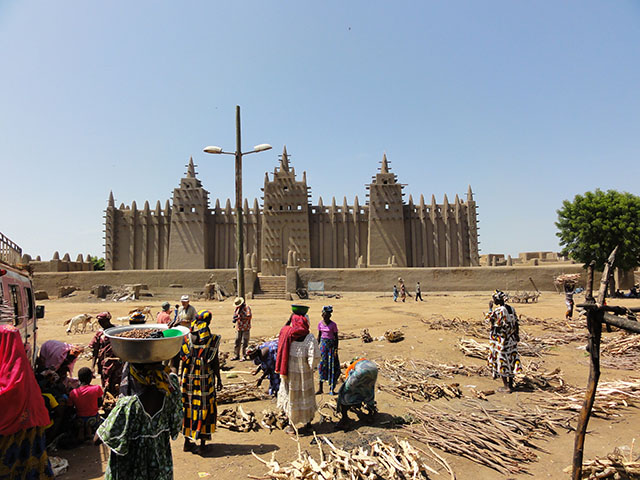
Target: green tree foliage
98 263
593 224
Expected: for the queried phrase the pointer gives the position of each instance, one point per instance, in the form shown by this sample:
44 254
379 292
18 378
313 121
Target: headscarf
298 330
53 353
103 316
327 309
200 326
21 401
499 297
156 375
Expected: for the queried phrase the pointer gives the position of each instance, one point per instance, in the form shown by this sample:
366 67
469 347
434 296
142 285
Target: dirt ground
229 456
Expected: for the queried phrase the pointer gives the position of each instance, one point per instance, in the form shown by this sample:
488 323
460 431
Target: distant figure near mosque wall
385 231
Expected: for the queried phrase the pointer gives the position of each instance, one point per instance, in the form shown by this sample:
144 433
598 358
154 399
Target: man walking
418 292
242 319
395 293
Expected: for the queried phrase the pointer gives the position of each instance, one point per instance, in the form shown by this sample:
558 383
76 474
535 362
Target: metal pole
239 229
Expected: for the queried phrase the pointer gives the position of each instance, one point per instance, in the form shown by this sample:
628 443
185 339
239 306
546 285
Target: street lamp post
239 220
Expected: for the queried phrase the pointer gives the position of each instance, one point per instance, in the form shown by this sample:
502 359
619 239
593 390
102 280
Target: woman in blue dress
264 357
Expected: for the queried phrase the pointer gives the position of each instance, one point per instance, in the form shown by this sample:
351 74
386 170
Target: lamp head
212 149
261 148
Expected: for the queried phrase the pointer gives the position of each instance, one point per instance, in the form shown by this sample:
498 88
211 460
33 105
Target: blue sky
529 102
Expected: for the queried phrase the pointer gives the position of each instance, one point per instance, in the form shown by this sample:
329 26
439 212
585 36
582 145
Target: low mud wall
189 279
438 279
336 280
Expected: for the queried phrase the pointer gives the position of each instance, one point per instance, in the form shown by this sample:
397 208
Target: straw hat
184 298
238 301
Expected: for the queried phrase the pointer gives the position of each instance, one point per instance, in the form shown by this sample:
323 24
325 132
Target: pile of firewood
398 369
500 439
366 336
472 348
617 465
376 461
394 335
610 397
628 344
468 327
554 339
240 392
420 391
555 323
567 279
237 420
346 336
272 420
547 381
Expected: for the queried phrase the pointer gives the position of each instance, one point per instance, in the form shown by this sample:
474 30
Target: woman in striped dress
200 370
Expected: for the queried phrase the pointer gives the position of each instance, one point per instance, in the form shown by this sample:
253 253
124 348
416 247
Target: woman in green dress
139 429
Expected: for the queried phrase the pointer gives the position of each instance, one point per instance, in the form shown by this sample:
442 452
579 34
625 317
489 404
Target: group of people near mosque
155 404
402 293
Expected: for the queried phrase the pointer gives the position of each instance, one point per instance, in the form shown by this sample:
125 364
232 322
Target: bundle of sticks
240 392
419 391
554 339
272 420
394 335
497 438
617 465
622 346
622 362
469 327
346 335
376 461
237 420
547 381
554 323
567 278
398 369
472 348
610 397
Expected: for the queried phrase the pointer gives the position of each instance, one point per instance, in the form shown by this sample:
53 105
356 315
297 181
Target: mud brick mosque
385 231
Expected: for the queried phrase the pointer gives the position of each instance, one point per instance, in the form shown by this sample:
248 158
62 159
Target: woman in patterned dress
139 428
503 359
200 370
329 368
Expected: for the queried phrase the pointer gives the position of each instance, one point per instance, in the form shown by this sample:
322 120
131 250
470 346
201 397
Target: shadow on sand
216 450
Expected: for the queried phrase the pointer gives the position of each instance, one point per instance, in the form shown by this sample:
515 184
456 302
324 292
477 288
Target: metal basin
144 350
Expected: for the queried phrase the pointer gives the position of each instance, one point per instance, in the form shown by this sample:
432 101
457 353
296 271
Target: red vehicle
17 305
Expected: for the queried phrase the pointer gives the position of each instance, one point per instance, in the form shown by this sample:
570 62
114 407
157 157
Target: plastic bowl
145 350
172 332
300 309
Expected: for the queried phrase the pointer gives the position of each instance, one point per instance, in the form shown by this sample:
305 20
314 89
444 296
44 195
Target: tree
98 263
593 224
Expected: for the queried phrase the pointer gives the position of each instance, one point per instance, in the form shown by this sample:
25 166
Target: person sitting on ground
164 316
139 428
503 359
109 366
242 320
358 389
86 399
329 368
265 357
296 362
55 355
200 380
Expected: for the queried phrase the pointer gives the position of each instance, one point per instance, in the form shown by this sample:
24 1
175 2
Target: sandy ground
229 456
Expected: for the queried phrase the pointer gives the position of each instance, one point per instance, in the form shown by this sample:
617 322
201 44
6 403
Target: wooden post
594 324
588 297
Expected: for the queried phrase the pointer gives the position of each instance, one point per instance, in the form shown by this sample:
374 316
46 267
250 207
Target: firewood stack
394 335
379 460
240 392
616 466
274 420
366 336
237 420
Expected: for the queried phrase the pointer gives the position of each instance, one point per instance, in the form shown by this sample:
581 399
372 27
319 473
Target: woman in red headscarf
296 361
24 416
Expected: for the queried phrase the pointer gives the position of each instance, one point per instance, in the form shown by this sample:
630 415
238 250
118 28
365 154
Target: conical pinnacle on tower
284 160
191 169
469 194
112 202
384 168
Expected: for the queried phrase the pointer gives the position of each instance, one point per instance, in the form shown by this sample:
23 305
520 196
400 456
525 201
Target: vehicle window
29 302
17 305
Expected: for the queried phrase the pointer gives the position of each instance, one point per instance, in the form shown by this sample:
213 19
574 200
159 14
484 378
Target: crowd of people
402 293
153 403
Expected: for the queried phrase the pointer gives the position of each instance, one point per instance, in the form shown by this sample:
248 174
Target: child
86 399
